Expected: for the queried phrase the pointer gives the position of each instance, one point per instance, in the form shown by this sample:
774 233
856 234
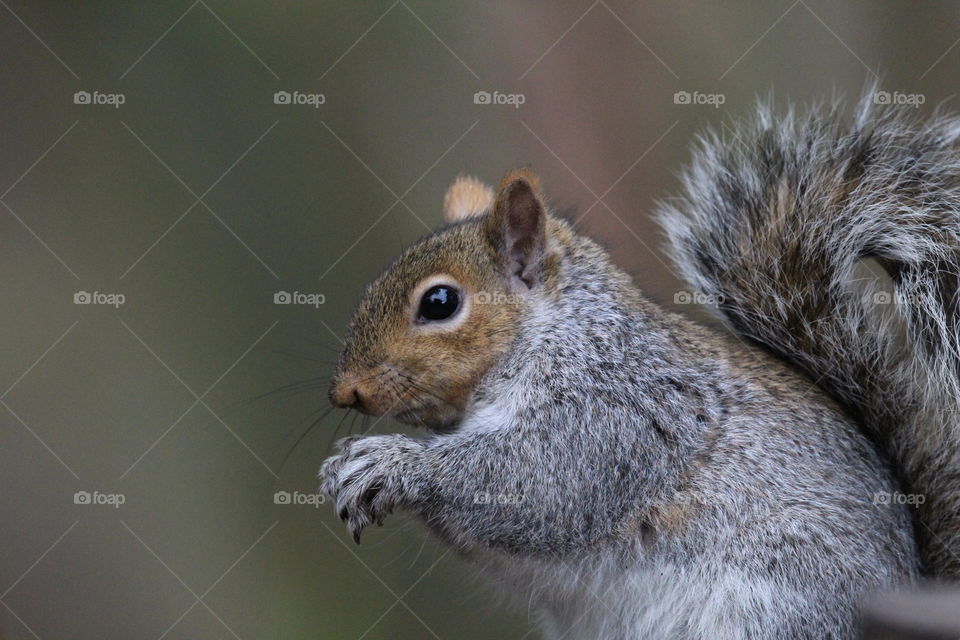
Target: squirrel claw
363 480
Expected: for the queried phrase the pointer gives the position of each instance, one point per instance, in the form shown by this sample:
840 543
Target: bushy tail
772 221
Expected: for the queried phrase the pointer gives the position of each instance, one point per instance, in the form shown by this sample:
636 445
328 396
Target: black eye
439 303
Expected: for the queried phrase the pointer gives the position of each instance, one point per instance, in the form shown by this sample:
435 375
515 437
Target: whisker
323 414
324 345
419 386
303 356
365 424
288 391
412 412
336 433
355 420
318 381
419 551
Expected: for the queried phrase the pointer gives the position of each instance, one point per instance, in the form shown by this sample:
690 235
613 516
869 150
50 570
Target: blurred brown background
199 198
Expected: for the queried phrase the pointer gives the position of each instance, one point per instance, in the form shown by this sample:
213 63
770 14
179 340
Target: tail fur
773 221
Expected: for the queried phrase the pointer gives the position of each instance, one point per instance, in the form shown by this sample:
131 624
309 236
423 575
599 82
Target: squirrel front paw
369 478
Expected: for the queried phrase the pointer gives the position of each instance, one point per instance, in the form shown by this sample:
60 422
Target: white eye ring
456 318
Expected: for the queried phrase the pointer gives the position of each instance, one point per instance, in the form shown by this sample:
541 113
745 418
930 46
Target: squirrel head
449 308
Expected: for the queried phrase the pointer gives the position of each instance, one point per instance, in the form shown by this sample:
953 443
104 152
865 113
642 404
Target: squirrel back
773 223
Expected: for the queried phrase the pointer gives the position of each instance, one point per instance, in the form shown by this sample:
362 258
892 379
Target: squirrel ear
467 197
517 225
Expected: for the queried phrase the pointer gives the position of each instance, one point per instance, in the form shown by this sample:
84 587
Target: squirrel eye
439 303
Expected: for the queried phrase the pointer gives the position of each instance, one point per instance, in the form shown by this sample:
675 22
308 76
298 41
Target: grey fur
773 223
638 476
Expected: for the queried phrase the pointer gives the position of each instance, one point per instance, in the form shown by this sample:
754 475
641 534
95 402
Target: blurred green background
200 197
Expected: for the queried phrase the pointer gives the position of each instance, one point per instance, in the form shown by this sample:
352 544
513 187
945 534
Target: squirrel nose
346 396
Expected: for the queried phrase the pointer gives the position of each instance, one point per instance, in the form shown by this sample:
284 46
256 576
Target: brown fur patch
672 517
431 373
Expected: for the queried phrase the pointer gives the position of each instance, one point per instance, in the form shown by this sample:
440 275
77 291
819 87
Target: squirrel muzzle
347 393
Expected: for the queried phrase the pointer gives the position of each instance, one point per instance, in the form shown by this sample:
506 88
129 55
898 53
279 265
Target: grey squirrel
632 474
